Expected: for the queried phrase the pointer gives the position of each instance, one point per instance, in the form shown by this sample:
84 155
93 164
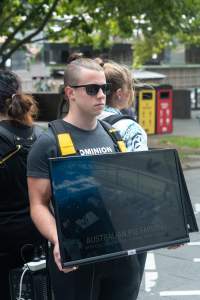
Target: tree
150 24
21 21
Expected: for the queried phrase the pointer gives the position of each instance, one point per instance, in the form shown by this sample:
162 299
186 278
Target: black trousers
8 261
13 237
117 279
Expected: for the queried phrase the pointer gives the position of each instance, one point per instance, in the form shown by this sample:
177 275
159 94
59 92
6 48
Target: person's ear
119 93
69 92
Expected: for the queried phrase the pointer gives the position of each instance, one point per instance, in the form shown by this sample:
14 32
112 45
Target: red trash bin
164 118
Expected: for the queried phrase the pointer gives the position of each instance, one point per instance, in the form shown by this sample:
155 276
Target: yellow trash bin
146 106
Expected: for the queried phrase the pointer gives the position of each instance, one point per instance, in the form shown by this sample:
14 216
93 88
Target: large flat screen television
112 205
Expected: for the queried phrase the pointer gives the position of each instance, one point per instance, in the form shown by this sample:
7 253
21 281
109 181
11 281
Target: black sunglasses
93 89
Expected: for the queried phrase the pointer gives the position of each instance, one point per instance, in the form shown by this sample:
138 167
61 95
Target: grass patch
188 147
183 142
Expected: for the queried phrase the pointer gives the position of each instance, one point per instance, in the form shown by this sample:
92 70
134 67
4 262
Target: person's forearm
45 222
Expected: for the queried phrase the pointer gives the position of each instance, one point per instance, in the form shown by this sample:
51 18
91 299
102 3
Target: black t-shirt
14 201
88 142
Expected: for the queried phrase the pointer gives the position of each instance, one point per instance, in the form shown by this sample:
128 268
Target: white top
131 132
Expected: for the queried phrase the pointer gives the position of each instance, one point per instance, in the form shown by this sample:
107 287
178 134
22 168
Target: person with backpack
120 98
78 133
17 134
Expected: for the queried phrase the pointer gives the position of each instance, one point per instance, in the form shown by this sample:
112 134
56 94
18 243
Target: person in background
121 97
135 138
18 234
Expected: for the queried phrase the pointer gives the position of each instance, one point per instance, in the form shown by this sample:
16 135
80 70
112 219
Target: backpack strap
8 138
115 135
112 119
9 154
17 143
64 141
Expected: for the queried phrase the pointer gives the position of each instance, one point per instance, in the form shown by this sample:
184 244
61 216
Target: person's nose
101 93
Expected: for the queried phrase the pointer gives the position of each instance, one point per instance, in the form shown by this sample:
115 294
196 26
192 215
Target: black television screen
117 204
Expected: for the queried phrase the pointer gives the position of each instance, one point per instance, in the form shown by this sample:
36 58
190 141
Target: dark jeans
117 279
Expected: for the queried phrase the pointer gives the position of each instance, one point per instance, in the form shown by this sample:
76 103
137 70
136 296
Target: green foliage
21 21
150 24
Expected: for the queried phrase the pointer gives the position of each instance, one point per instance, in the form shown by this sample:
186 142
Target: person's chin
99 107
97 113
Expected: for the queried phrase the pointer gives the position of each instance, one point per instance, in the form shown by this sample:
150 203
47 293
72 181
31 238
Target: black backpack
13 160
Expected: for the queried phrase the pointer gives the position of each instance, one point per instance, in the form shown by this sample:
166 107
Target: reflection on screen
111 203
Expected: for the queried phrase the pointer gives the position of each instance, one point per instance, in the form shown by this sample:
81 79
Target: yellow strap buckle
66 144
122 146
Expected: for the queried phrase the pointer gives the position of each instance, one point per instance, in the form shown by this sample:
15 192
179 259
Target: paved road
175 274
